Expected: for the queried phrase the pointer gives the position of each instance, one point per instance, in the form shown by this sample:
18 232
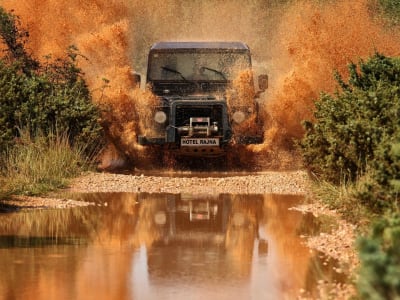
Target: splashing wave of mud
299 44
313 41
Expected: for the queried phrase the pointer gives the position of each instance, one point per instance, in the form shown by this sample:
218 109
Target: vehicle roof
200 45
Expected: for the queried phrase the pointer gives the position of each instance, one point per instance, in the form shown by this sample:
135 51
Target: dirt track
293 182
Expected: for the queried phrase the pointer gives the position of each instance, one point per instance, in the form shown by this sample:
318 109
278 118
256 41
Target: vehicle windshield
197 65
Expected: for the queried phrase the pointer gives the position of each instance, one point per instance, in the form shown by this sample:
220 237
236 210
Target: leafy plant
382 189
355 139
350 125
43 98
380 260
390 10
49 127
15 39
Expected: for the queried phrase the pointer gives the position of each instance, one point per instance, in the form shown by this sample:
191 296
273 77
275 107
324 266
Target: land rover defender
200 86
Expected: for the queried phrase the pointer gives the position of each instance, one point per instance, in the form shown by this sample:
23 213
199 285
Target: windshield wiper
215 71
173 71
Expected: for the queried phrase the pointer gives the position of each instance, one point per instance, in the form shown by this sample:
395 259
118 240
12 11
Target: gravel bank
294 182
338 244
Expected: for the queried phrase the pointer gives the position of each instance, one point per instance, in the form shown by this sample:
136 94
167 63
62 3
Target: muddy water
161 246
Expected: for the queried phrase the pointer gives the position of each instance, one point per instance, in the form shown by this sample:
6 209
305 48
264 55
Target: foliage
355 142
380 260
43 98
35 166
48 125
390 10
382 189
355 128
15 39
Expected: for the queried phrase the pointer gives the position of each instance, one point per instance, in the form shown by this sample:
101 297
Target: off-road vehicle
206 97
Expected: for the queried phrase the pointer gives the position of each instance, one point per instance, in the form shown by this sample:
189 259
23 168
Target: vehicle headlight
160 218
238 117
160 117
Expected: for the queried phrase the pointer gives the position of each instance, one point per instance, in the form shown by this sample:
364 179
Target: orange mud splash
312 41
299 45
242 95
100 30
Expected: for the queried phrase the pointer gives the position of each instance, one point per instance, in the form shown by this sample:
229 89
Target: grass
39 165
343 198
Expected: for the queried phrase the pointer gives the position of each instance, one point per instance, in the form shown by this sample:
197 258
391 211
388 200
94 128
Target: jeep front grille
183 114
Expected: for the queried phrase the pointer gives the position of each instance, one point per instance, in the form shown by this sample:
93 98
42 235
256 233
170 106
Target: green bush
47 119
351 125
46 98
390 10
382 189
49 101
14 39
380 261
356 137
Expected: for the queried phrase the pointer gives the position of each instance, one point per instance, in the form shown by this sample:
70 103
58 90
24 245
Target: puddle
162 246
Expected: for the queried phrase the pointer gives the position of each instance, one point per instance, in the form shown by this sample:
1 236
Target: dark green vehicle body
190 80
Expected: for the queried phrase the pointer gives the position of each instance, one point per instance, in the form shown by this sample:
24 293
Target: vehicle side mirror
135 79
263 82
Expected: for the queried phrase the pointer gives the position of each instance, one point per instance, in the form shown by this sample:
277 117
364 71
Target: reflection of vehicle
198 110
190 219
184 216
201 211
201 233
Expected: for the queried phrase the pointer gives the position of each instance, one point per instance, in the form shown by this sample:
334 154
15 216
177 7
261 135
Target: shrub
382 189
390 10
53 100
14 39
380 260
350 126
43 98
52 105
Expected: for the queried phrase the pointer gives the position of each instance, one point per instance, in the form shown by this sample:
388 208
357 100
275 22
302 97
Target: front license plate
199 142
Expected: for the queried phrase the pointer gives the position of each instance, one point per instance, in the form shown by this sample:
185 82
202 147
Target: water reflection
158 246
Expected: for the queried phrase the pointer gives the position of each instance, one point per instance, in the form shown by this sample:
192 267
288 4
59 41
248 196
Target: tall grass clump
36 165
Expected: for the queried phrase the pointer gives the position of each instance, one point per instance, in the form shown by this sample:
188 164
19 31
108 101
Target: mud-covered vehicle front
206 97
